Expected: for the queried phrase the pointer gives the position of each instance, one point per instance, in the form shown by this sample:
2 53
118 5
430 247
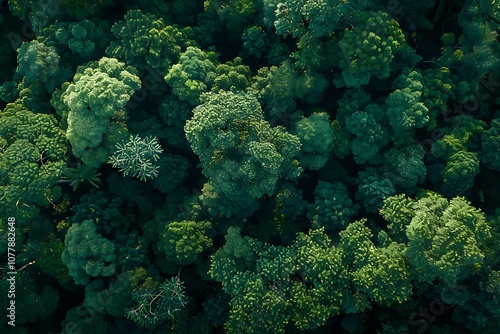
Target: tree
39 64
316 138
398 211
87 254
445 239
377 274
231 76
320 18
86 38
243 157
369 50
184 241
405 107
31 161
193 75
135 157
332 208
273 285
147 42
370 136
99 91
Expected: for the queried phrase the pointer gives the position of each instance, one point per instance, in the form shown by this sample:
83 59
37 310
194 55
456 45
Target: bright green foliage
373 189
385 279
231 76
243 157
85 38
31 161
144 41
405 107
99 90
355 242
490 148
468 131
313 299
398 211
316 137
154 305
279 137
457 163
257 309
445 239
285 285
184 241
368 50
135 157
370 136
447 146
237 251
87 254
193 75
405 167
325 16
378 274
437 90
332 208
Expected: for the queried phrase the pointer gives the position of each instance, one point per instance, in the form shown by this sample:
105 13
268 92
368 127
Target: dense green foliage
239 166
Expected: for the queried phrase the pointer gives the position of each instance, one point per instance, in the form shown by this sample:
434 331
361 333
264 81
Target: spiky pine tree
135 157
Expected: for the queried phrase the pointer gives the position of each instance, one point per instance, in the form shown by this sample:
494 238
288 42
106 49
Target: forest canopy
268 166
